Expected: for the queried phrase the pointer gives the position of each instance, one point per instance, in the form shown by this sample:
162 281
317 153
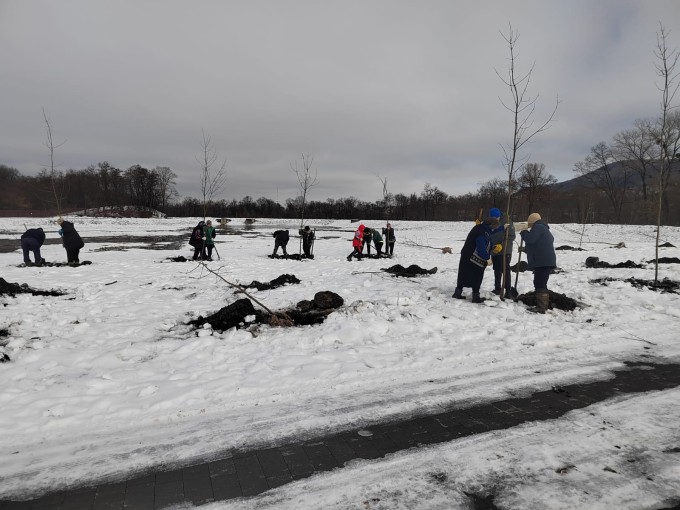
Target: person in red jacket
357 243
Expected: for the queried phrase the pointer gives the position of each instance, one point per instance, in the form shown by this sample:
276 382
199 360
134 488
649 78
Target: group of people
364 236
490 242
203 240
33 239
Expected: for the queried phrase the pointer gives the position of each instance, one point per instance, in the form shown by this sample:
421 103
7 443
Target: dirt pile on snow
412 270
11 289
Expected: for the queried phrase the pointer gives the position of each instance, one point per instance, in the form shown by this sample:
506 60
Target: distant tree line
626 193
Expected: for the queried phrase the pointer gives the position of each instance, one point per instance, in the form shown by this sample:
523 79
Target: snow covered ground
108 379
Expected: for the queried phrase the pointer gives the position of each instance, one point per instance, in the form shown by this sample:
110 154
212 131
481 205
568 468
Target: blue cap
495 212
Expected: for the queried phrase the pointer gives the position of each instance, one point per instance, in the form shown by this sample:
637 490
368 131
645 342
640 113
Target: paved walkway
253 472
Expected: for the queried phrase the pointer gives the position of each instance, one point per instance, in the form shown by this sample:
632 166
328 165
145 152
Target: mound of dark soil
4 358
179 258
280 281
58 264
523 266
569 248
666 245
668 260
595 262
557 300
412 270
662 286
291 256
306 313
12 289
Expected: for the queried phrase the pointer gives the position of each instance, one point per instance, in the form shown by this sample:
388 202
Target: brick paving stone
168 493
140 496
340 450
79 500
298 463
273 464
110 497
250 473
226 486
320 457
222 467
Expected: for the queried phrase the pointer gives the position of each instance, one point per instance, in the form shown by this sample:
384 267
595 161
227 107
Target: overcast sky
406 91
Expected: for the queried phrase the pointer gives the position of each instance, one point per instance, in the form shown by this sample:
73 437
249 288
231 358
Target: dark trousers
497 261
307 248
541 275
356 253
390 248
72 255
276 248
378 248
199 252
31 244
209 248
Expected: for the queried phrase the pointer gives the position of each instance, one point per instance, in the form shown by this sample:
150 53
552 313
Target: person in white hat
541 258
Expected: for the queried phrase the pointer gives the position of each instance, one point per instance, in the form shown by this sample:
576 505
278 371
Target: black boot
476 298
458 293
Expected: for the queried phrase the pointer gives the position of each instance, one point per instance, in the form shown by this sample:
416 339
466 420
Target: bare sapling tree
667 71
306 181
56 179
387 199
522 107
213 173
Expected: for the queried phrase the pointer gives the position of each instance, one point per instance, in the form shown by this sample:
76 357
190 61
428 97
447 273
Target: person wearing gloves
210 234
474 257
499 250
541 258
32 240
72 241
357 243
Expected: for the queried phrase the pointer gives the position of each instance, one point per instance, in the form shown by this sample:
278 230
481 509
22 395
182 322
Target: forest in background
609 194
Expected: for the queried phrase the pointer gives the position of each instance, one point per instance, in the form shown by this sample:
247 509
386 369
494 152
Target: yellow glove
497 249
478 221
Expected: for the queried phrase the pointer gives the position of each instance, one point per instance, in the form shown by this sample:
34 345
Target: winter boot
458 293
542 302
476 298
497 291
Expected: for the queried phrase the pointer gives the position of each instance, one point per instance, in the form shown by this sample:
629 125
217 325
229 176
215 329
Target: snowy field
108 380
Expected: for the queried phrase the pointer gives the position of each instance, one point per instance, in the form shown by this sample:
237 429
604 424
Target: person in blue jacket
541 259
474 257
32 240
499 250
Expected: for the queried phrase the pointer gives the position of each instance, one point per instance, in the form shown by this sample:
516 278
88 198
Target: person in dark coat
307 240
210 234
541 259
499 250
474 257
390 239
72 241
280 239
32 240
196 241
368 239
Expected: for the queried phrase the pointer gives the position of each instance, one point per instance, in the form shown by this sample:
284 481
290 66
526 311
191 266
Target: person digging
541 258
